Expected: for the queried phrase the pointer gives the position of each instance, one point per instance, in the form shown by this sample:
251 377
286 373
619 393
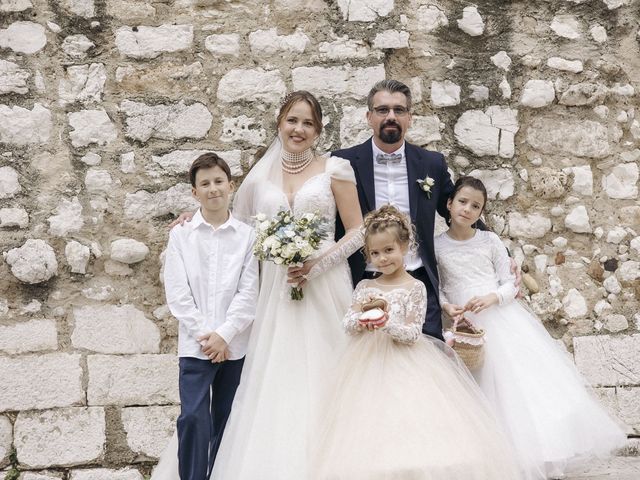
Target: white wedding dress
532 385
293 348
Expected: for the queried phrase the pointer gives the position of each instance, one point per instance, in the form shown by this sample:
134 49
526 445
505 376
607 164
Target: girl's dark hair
208 160
390 218
304 96
472 182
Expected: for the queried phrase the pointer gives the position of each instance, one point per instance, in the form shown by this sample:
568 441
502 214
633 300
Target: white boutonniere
426 184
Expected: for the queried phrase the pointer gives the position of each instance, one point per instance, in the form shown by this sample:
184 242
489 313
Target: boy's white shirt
211 283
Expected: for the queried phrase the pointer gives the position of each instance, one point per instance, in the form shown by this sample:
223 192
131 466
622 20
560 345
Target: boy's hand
477 304
453 310
184 217
214 347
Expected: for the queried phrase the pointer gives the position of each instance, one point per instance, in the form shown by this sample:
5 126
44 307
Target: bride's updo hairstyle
389 219
302 96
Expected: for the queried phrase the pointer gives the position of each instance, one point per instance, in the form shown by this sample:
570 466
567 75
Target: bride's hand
298 275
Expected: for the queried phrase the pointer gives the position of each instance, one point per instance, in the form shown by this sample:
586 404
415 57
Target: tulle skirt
293 348
547 409
408 412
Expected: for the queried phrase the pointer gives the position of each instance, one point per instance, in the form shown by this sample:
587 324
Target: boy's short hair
208 160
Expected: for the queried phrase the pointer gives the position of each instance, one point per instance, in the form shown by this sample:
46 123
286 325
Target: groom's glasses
397 111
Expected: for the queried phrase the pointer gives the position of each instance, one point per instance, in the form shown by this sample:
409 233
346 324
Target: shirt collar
198 220
376 150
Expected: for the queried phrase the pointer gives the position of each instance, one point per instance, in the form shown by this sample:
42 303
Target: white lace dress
403 407
293 347
531 383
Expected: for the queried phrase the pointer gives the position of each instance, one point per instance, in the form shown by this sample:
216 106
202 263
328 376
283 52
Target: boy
211 284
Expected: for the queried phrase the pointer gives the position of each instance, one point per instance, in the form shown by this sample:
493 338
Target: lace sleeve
502 264
345 247
352 316
406 318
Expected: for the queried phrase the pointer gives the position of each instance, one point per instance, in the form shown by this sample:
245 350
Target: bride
294 344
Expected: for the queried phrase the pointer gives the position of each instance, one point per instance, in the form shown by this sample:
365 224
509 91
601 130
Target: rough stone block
430 18
268 42
6 439
608 361
41 381
223 44
622 181
128 250
77 256
149 429
33 262
30 336
445 94
471 22
83 83
488 133
20 126
343 48
23 37
528 226
67 218
424 130
76 46
365 10
576 137
82 8
42 475
98 181
132 380
166 122
566 26
9 184
578 220
178 162
106 474
113 329
499 183
243 129
144 205
15 5
391 39
345 81
353 126
251 85
63 437
13 79
13 217
151 42
91 126
538 93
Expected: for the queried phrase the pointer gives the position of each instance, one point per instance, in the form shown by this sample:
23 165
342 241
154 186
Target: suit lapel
413 168
365 174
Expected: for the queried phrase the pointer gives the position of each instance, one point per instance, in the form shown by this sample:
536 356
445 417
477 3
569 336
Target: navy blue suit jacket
420 164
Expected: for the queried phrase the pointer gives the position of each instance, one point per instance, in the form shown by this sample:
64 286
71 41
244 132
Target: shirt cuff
227 331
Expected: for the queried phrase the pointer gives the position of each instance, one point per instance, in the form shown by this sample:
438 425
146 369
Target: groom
388 170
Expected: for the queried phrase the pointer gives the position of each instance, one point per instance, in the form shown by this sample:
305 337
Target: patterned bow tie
388 157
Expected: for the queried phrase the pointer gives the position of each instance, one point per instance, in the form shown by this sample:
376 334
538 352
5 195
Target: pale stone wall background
105 103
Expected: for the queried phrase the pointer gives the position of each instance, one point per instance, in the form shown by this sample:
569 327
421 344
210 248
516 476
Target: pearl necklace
294 163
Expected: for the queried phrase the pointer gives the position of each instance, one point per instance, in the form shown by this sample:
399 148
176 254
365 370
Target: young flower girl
531 384
403 407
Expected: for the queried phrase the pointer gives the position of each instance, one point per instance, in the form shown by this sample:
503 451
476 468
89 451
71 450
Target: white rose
261 217
278 261
429 181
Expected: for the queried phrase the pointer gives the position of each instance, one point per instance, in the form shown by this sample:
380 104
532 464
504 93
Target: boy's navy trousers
206 394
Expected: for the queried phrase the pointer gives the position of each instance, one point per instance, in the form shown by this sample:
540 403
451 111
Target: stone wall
105 103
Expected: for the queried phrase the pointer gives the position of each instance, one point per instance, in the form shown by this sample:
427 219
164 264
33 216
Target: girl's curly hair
389 218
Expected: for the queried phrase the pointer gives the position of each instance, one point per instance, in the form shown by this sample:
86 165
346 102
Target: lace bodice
315 195
407 308
476 266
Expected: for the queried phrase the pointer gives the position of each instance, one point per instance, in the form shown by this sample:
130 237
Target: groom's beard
390 136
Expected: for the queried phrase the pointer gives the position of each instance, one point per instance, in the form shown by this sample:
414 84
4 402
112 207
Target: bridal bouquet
287 240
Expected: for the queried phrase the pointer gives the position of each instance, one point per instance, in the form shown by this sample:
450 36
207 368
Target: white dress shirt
391 183
211 283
